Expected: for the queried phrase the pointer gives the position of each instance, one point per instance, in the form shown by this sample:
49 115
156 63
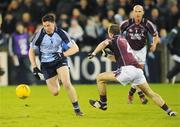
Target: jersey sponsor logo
137 35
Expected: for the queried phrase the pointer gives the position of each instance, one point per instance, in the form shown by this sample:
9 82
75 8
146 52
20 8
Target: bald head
138 7
138 13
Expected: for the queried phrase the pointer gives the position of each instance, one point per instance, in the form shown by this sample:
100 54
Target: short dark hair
114 29
51 17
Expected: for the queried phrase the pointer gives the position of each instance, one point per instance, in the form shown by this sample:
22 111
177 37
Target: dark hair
49 17
114 29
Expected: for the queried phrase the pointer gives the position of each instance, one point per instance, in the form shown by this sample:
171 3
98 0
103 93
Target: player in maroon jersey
128 71
136 32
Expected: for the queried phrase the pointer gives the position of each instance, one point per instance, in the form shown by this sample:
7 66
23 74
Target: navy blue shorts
49 68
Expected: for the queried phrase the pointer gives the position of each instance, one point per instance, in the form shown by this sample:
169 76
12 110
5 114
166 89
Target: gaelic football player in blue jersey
54 46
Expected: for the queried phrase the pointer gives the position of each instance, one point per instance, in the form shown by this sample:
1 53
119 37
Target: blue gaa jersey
49 45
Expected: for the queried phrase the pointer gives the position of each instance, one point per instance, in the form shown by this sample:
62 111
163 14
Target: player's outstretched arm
99 48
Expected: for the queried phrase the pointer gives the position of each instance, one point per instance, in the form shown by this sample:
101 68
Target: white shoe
172 113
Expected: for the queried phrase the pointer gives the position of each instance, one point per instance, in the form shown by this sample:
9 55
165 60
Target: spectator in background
76 32
8 24
157 19
28 24
110 16
123 4
46 7
130 15
172 16
173 41
175 51
31 7
3 6
120 16
162 6
84 7
63 21
65 7
148 5
18 50
38 27
76 14
14 9
110 4
101 9
91 32
103 29
99 26
91 28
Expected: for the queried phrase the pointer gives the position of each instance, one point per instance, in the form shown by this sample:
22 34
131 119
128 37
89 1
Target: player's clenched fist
91 55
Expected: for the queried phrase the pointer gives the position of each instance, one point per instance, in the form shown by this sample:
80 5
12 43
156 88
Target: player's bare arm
72 50
101 46
32 57
155 42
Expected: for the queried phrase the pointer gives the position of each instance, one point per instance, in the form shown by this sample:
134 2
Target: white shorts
140 55
130 74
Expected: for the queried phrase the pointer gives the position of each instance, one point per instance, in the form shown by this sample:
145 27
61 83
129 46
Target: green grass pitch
42 109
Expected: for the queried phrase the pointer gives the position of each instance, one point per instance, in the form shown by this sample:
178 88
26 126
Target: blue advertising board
84 70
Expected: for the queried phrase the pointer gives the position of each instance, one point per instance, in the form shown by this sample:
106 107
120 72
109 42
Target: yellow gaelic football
23 91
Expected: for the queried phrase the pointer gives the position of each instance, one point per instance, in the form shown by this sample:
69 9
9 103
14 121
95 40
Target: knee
55 93
67 85
99 79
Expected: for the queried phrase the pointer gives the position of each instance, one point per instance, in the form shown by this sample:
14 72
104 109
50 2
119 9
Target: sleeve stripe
153 26
36 36
67 36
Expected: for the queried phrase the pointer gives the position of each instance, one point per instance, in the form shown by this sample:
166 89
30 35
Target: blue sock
103 99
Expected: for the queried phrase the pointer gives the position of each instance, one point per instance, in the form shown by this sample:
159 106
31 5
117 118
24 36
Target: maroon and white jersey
122 52
136 34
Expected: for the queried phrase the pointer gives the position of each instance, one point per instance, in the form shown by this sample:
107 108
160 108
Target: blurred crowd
85 20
